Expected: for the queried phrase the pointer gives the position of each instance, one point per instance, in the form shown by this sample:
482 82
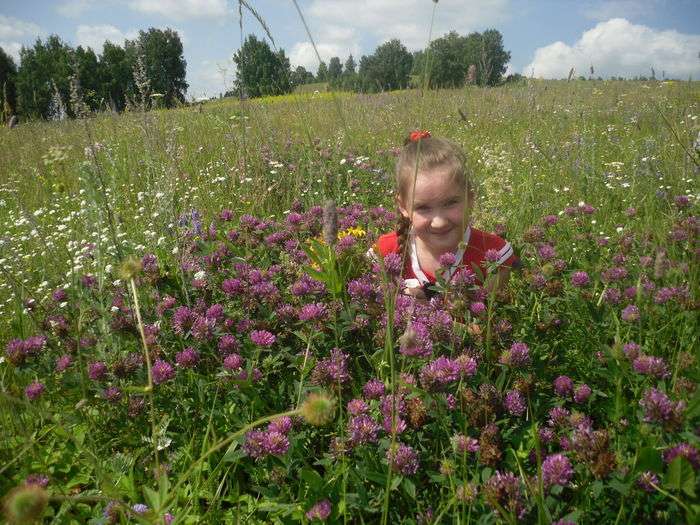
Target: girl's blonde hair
423 156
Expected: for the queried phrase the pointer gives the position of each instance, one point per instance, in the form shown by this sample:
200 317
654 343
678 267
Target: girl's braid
402 229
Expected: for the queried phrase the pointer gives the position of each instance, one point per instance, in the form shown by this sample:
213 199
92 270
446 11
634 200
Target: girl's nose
438 221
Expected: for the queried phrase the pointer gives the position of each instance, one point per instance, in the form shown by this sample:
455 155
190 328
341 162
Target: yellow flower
355 232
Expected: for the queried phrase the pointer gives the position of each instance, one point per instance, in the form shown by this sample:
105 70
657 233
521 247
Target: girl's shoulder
481 241
386 244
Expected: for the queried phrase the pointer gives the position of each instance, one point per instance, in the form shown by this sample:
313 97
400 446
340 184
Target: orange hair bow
417 135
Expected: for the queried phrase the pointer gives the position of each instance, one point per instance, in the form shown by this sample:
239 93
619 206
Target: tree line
450 61
53 78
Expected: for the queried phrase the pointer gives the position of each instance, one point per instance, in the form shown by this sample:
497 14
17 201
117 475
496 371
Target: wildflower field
190 334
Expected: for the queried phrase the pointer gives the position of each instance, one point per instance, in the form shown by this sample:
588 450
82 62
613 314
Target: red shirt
477 243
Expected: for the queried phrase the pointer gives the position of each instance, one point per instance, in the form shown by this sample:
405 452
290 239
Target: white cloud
407 20
210 78
182 9
95 36
74 8
13 28
607 9
620 48
12 49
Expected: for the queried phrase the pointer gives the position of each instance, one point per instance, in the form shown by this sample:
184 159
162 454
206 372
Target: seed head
25 504
129 268
330 223
318 409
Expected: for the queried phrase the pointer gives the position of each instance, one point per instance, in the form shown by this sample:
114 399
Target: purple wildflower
182 320
140 508
282 425
162 371
362 429
402 459
373 389
332 370
37 480
392 264
439 373
255 445
515 403
464 444
320 511
232 286
503 490
646 479
447 259
34 390
658 408
684 450
477 308
262 338
112 394
357 407
580 279
631 350
630 313
651 366
97 370
227 344
233 361
517 356
546 252
188 358
612 295
312 312
556 470
558 416
276 443
491 256
63 362
563 386
582 393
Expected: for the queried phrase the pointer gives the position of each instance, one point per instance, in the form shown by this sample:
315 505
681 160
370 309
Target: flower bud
318 409
25 504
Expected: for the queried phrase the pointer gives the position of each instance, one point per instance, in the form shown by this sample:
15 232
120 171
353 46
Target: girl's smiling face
439 213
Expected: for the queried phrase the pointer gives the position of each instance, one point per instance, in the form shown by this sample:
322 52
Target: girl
435 198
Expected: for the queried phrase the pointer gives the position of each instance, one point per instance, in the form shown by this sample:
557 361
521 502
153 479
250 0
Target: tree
322 73
86 65
350 65
8 74
164 62
116 76
349 77
301 76
40 66
449 60
335 69
492 58
388 68
261 72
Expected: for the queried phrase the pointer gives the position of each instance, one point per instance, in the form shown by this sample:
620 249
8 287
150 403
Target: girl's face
439 210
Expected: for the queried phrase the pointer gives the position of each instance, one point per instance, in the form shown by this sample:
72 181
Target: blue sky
545 37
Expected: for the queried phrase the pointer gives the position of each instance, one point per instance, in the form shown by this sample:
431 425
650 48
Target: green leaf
486 474
395 482
409 487
648 458
312 478
152 497
622 488
681 476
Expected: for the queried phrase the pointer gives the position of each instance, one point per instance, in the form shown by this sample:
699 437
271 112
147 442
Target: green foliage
41 65
8 92
164 62
322 73
387 69
451 55
116 74
261 72
301 76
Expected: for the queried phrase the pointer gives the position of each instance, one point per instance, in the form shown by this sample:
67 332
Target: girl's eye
422 208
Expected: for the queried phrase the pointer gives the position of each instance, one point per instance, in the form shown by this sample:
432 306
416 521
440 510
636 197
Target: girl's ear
402 208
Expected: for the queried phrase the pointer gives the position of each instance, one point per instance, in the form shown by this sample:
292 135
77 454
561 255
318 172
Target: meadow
190 334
